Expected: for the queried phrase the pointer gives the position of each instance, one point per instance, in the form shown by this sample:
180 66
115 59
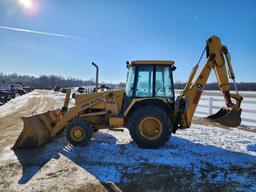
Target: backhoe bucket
37 129
227 116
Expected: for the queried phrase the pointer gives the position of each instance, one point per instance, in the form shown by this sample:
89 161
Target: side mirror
127 64
174 68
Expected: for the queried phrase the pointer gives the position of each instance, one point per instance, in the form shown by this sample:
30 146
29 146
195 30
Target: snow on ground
214 155
191 148
17 103
201 158
186 149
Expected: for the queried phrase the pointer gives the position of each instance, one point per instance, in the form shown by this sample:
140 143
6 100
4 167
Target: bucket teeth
227 116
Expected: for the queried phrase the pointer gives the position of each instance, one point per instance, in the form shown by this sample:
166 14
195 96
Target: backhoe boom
189 98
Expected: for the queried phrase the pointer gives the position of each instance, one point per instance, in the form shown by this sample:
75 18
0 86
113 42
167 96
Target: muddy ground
112 162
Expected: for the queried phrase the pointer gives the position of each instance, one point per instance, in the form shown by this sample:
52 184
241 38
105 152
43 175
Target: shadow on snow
109 161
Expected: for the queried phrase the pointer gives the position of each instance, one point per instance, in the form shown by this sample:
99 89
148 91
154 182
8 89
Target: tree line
242 86
44 81
51 81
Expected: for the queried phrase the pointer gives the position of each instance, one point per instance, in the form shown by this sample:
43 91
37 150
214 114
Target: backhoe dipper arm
189 98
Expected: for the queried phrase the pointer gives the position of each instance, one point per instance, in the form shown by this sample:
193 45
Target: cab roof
152 62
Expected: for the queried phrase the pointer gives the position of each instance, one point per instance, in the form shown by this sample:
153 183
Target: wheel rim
151 128
77 134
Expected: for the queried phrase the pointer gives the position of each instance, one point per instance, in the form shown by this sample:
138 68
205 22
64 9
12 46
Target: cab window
130 81
163 83
145 81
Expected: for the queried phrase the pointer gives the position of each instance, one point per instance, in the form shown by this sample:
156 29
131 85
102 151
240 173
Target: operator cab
150 79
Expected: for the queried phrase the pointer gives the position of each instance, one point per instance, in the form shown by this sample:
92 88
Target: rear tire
79 132
150 126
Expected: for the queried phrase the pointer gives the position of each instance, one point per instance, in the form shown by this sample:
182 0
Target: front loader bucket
227 116
37 129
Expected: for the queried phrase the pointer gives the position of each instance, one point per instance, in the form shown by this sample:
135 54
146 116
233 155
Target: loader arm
187 102
74 111
39 129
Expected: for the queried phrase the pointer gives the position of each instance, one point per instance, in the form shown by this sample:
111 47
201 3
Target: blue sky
114 31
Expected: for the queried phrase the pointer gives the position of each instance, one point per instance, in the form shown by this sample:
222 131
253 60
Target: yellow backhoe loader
147 107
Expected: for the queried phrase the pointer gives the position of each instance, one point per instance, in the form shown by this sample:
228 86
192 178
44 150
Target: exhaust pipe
97 76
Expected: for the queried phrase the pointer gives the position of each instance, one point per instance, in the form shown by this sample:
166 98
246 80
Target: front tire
150 126
79 132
